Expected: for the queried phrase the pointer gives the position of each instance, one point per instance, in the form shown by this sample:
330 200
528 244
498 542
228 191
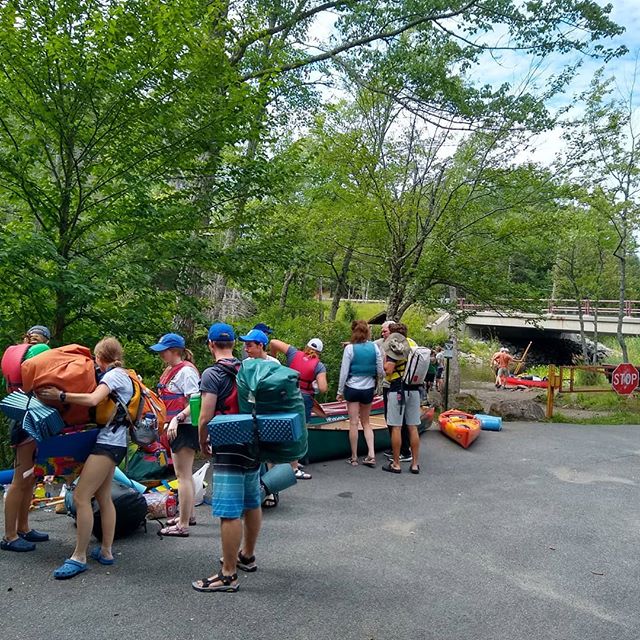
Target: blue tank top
363 362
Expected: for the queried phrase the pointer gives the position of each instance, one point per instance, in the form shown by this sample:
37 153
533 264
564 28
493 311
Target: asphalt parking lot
531 533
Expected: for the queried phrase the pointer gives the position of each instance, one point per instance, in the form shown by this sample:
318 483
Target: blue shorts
234 492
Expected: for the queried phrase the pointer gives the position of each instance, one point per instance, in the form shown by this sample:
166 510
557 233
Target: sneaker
405 458
388 454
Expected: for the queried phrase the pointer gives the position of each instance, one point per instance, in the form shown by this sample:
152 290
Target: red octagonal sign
625 379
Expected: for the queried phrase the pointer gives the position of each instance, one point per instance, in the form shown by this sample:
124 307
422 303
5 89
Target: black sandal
391 469
205 583
271 501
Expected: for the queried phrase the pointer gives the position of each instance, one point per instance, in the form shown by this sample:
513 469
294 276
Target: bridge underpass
554 330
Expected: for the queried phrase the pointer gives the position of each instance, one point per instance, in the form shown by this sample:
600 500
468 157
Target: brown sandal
352 461
369 462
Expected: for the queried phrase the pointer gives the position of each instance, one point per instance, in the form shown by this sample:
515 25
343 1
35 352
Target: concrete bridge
561 316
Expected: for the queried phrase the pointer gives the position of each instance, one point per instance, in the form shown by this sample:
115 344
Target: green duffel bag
265 386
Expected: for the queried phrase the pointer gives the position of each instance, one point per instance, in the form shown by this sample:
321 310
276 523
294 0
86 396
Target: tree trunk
288 278
454 328
583 335
340 283
621 254
594 358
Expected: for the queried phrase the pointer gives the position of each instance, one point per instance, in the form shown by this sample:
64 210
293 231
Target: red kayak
521 382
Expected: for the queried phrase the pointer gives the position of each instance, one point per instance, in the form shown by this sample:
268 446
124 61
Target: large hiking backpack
143 402
70 368
146 463
265 386
417 367
131 510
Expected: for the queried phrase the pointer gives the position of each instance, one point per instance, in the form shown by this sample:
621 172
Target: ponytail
187 355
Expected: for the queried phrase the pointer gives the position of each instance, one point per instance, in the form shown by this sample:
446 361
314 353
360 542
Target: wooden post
521 363
551 380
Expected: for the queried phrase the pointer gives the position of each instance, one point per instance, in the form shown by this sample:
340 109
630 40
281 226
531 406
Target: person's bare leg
183 465
396 441
414 438
18 500
354 420
252 524
107 516
96 470
231 536
365 415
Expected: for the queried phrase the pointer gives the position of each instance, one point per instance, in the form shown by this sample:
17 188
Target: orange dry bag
70 368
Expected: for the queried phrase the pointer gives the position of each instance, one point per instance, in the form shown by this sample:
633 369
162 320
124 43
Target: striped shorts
234 492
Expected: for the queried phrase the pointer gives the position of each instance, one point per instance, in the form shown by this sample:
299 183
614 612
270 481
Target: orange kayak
461 427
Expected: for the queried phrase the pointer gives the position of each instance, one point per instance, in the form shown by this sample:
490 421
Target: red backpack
12 358
230 403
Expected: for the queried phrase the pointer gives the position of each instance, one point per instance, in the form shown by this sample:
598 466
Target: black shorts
18 435
187 436
117 454
363 396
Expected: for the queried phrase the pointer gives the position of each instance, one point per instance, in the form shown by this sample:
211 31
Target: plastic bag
199 484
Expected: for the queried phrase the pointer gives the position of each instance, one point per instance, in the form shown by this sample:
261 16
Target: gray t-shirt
120 385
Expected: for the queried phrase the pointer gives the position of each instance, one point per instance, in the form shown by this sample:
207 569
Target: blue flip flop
69 569
96 554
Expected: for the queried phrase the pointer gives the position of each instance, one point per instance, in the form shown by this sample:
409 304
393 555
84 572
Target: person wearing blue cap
236 473
178 382
255 344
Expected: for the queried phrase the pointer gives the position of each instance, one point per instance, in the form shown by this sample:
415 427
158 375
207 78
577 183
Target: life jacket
364 360
174 402
12 358
229 405
306 366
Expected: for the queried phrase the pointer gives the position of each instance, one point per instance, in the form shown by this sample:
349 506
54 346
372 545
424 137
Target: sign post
448 354
625 379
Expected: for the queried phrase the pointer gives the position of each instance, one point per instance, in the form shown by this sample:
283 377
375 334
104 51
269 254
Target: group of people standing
236 495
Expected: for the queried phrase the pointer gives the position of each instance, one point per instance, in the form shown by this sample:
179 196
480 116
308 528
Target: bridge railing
558 307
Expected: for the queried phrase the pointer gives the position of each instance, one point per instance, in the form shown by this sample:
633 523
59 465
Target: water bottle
195 402
171 505
48 487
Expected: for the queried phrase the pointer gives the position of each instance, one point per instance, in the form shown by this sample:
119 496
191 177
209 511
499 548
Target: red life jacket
175 402
306 366
11 361
229 405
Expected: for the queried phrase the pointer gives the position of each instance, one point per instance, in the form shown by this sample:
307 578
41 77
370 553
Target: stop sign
625 379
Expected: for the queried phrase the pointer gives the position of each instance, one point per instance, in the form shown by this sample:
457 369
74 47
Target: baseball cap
255 335
221 332
315 344
169 341
40 329
265 328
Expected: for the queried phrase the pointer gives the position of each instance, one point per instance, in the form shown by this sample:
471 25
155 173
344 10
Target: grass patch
600 402
615 418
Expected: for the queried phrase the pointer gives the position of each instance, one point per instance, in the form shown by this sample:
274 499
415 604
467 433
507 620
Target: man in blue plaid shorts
236 473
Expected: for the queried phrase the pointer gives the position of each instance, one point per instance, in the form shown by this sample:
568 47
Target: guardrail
560 307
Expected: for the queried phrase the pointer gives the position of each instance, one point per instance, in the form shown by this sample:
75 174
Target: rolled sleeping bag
489 423
119 476
278 478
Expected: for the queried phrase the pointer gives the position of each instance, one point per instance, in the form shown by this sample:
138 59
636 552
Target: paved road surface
532 533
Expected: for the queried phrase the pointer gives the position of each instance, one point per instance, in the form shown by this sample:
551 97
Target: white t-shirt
186 382
119 383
